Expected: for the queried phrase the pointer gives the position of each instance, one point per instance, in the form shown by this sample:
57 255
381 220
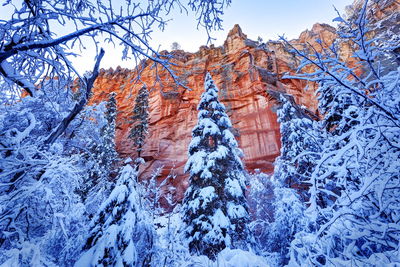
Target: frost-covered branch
35 50
10 73
336 78
354 183
79 106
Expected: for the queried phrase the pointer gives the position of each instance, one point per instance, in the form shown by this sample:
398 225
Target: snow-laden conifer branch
121 233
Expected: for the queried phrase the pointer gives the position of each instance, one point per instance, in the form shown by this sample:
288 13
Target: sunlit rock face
243 70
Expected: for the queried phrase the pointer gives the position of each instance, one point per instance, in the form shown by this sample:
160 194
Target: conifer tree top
212 140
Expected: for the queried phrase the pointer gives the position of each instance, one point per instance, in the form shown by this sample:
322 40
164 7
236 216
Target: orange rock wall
242 69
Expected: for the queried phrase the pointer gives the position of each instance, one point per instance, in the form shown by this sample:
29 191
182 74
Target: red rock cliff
243 72
242 69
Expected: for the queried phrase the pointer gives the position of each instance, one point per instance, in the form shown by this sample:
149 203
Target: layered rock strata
244 71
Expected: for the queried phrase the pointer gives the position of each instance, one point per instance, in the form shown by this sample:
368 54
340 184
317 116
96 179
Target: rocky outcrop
243 70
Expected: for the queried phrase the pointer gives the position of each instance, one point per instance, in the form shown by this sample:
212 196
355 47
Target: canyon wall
242 69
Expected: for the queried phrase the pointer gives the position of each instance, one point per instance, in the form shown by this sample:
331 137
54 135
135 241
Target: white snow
219 219
236 211
196 162
210 128
207 192
220 153
217 106
202 114
13 75
230 258
229 138
195 142
205 195
206 174
233 187
224 122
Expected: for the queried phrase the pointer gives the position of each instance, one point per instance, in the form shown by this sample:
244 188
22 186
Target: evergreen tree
300 145
105 152
101 154
121 233
215 208
140 119
109 153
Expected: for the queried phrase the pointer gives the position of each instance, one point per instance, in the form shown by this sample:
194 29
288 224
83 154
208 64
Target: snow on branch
32 50
79 106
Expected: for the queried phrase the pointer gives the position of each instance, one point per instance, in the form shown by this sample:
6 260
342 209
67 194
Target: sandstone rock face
243 72
242 69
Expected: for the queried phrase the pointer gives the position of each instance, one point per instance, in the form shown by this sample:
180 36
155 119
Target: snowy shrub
41 212
230 258
289 219
261 200
173 245
174 249
39 205
277 215
158 196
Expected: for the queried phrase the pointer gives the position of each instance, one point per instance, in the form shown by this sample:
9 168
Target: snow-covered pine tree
215 208
300 144
140 119
101 153
109 154
121 233
105 152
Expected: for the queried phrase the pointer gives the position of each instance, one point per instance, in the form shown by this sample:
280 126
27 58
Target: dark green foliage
140 119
